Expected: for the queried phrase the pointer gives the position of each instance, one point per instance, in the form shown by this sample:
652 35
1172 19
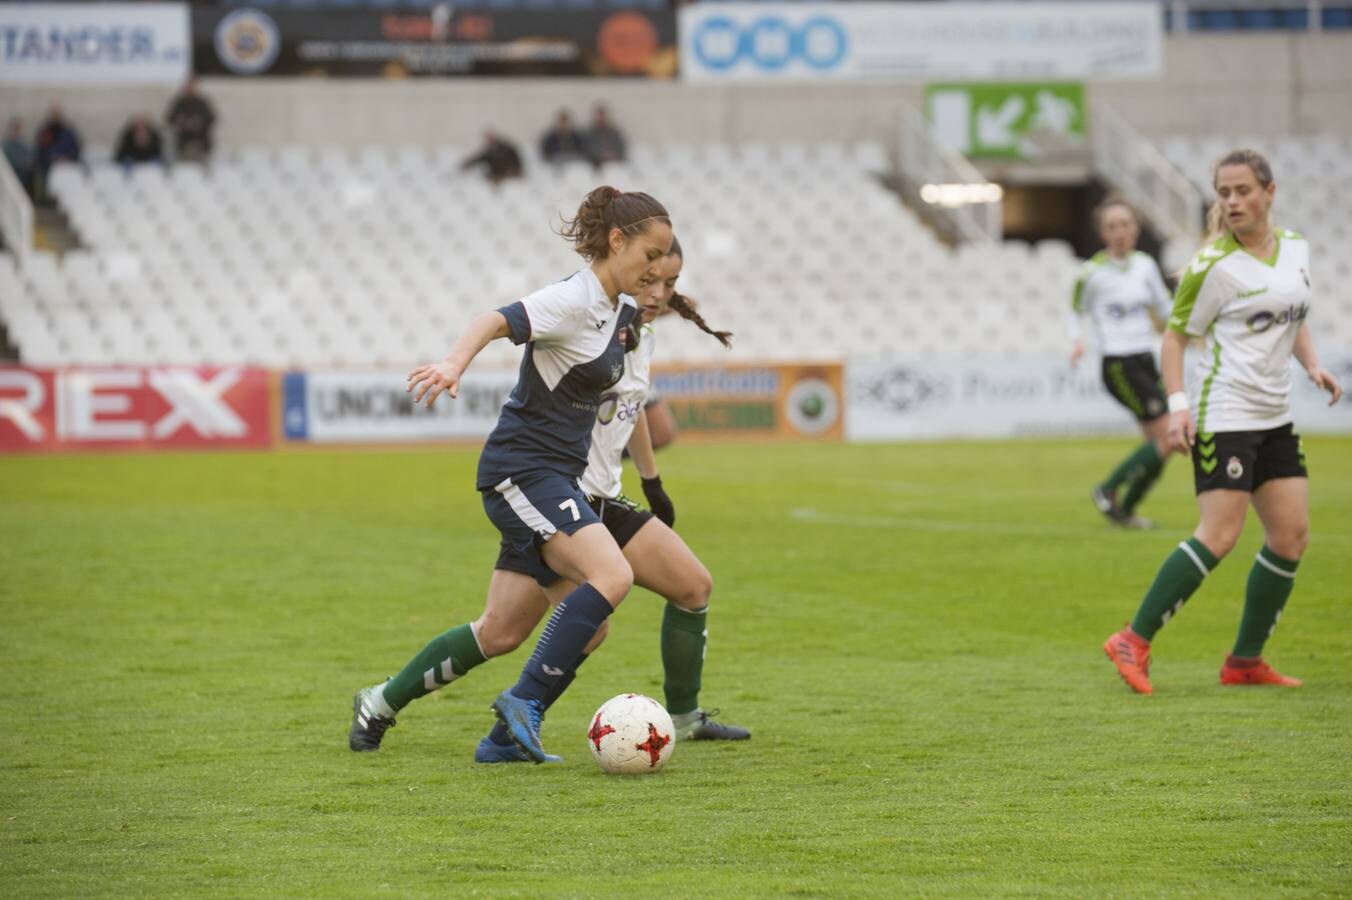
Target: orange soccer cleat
1238 670
1131 654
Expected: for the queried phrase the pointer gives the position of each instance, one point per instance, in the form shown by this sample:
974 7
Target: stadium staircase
52 230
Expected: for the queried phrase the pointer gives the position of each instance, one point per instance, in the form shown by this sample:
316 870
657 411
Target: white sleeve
555 310
1198 302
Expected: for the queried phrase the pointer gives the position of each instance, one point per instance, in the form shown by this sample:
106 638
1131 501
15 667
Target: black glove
658 501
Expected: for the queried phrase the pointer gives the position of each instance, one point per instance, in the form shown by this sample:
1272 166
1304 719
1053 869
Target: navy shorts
530 510
622 519
1244 460
1135 383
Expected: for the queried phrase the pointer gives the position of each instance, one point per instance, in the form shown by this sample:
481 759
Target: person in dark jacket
191 118
138 143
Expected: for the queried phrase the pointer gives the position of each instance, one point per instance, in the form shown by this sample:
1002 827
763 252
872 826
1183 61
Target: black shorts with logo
1243 460
1135 383
622 519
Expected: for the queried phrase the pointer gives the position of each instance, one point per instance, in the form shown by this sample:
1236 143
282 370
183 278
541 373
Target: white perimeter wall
1259 85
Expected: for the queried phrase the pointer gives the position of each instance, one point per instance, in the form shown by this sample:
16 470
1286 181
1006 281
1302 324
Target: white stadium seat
322 256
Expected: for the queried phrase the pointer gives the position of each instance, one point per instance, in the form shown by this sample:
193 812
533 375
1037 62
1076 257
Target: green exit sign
998 119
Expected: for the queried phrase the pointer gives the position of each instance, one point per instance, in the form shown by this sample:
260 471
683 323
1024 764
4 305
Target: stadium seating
310 258
302 257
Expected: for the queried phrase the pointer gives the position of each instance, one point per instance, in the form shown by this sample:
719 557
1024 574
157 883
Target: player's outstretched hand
1182 432
1324 380
658 501
430 380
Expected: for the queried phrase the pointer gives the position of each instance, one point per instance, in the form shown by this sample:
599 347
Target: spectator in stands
191 117
605 142
19 153
499 157
56 142
562 143
138 143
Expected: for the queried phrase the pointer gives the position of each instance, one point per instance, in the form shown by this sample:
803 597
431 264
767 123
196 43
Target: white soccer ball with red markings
631 735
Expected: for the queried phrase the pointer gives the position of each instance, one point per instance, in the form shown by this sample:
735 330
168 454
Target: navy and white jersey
573 353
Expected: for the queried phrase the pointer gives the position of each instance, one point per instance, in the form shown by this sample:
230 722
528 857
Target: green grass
912 632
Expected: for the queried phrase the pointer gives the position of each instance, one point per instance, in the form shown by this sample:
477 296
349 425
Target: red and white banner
127 408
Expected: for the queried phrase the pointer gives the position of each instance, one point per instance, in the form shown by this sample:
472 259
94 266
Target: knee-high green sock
683 636
1181 574
445 658
1270 583
1136 461
1142 479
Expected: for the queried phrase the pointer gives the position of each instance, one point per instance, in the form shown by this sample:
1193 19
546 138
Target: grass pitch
912 633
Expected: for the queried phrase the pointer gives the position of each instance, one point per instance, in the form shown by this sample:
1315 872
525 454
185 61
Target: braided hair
684 307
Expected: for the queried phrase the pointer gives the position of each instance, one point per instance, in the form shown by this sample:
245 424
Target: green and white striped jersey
1117 297
1249 311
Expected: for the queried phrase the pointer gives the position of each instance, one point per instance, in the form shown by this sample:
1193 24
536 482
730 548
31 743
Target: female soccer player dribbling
516 602
1248 293
661 560
1117 291
531 461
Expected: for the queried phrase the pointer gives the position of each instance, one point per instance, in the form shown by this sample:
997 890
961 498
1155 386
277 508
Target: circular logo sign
627 41
247 42
811 406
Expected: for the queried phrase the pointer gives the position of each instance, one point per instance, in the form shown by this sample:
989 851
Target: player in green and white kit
1120 294
1248 295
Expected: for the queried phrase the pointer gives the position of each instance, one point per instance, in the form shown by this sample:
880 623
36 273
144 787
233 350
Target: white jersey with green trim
1117 295
616 418
1250 311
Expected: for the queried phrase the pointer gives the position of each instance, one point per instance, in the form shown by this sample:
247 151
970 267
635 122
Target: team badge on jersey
1234 468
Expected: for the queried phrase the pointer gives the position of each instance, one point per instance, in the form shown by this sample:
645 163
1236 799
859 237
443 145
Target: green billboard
999 120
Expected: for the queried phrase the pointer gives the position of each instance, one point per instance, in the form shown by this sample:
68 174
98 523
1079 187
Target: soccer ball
631 735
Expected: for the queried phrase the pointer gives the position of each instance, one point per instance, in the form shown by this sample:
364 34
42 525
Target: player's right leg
1222 520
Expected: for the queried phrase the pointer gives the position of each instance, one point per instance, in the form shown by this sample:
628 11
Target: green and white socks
1178 578
1270 582
1142 477
445 658
1139 472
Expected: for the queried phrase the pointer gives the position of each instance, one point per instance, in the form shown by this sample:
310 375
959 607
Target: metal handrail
1133 166
924 160
16 213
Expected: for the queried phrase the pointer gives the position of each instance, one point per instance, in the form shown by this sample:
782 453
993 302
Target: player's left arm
1309 358
645 460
